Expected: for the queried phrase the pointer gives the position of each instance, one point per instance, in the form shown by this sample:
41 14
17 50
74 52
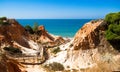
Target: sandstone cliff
9 65
88 36
13 34
13 31
48 40
89 50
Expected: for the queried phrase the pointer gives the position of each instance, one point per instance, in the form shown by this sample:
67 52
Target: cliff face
89 50
9 65
47 39
13 31
44 36
13 34
88 36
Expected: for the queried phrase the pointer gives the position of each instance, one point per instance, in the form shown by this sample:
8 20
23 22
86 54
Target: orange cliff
13 31
88 36
42 36
9 65
88 50
13 34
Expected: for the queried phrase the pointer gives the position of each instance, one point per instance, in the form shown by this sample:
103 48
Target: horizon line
50 18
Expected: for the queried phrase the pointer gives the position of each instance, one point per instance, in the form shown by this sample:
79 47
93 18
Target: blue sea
61 27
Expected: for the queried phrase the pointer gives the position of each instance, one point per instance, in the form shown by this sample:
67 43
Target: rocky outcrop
88 36
89 49
12 34
44 36
48 40
13 31
9 65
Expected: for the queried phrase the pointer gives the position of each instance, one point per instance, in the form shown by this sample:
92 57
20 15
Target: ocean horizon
60 27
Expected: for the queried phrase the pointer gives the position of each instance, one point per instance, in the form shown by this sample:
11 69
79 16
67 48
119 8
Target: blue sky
58 9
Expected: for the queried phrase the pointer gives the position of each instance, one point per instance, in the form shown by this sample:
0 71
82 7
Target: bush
3 18
113 20
55 66
2 22
56 50
13 50
29 29
33 30
113 31
35 27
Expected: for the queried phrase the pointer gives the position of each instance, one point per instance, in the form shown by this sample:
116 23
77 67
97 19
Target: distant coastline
59 27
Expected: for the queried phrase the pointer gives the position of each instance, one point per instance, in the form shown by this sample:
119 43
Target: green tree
35 27
3 18
113 31
3 21
29 29
108 18
113 18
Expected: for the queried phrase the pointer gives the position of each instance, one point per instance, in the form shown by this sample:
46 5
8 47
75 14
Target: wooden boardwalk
30 60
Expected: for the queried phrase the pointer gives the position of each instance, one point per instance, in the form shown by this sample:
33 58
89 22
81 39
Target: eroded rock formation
49 40
89 50
13 31
9 65
44 36
88 36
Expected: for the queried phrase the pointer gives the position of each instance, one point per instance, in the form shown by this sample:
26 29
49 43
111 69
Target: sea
59 27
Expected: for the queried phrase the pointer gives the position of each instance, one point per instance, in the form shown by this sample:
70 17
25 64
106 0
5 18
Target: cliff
88 36
44 36
46 39
13 34
9 65
89 50
13 31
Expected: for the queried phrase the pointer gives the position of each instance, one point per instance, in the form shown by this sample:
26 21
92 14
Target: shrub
2 22
3 18
35 27
13 50
113 18
113 31
55 66
71 45
56 50
29 29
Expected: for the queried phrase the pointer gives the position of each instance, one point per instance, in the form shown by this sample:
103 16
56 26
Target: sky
58 9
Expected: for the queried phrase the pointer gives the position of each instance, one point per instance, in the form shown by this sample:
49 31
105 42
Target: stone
41 28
